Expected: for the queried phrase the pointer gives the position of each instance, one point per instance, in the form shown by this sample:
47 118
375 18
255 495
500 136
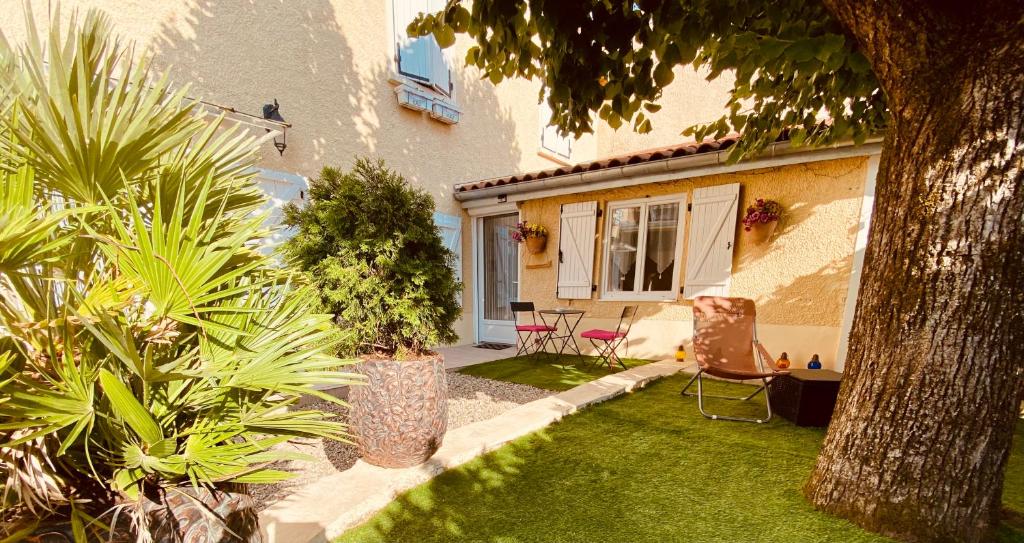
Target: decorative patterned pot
536 244
761 232
180 515
399 416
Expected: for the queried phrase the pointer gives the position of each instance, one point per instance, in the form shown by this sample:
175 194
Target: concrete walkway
327 508
468 355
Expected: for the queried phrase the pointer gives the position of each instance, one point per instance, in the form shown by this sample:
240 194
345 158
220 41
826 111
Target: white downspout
860 245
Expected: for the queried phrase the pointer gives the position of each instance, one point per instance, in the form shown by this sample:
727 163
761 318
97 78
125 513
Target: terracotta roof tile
648 155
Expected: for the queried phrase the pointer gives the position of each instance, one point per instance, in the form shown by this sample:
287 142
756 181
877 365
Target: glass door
498 255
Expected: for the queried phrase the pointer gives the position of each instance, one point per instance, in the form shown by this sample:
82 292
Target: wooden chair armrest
766 357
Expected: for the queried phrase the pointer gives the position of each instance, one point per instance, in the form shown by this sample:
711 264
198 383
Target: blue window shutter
281 188
414 54
450 228
440 74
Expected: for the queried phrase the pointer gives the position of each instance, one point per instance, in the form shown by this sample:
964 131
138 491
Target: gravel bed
470 399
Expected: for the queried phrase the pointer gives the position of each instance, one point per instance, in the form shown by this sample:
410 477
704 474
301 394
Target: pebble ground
470 399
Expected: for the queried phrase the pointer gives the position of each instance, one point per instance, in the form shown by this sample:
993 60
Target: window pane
662 227
501 266
625 232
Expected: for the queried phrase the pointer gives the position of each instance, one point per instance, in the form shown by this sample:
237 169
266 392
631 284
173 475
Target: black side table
805 397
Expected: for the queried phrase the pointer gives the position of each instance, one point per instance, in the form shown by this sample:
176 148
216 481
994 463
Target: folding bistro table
570 318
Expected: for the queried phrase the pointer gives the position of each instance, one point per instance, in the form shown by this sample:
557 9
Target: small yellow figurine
783 361
681 352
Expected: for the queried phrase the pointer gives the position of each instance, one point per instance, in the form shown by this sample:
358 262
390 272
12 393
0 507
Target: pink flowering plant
762 212
526 229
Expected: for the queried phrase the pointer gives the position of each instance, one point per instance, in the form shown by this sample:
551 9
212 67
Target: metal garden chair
539 332
607 341
726 346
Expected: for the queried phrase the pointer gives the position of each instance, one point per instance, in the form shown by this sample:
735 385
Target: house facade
655 229
349 82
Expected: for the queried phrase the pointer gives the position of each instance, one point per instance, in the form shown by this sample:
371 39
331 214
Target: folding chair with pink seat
607 341
539 332
726 346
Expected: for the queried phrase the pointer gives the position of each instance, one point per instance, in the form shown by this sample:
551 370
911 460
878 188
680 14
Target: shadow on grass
547 371
643 468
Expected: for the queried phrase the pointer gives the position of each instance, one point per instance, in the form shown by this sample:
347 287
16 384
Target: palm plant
145 343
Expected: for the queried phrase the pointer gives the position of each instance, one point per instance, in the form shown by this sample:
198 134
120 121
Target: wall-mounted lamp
272 112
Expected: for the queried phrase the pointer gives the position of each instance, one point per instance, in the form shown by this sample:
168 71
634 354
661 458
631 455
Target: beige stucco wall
799 279
328 63
690 99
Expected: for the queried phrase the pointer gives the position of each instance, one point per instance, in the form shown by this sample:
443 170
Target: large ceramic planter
399 416
182 515
761 232
535 245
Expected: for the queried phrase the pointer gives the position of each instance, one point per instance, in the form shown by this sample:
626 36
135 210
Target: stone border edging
325 509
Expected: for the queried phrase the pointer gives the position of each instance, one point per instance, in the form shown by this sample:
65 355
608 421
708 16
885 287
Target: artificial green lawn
643 468
545 370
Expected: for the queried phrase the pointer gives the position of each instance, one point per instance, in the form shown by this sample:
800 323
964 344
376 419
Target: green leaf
829 44
663 74
460 19
803 50
163 448
264 476
127 481
445 36
128 409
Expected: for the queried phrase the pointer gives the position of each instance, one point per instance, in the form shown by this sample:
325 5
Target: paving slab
327 508
468 355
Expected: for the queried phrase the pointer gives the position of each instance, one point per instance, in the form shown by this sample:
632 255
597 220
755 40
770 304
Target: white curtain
662 226
501 267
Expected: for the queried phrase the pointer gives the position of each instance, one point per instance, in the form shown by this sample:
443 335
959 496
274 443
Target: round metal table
571 319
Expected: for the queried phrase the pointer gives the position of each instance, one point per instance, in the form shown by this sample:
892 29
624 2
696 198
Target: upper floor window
420 58
550 141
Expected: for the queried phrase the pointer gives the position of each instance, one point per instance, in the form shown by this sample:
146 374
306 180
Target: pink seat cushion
534 328
603 335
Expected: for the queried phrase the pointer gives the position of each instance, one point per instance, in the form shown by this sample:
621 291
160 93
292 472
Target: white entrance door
498 267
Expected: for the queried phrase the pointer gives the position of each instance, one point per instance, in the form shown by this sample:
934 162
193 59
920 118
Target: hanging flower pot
534 235
536 244
761 219
761 232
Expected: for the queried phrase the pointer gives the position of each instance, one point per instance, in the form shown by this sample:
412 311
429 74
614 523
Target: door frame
477 215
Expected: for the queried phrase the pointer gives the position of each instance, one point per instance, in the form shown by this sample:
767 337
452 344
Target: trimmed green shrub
369 244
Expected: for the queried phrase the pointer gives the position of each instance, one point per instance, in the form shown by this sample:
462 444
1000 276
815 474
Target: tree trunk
935 367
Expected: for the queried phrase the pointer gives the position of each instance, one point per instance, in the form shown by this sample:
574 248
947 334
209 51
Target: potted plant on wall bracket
760 220
534 235
148 355
368 241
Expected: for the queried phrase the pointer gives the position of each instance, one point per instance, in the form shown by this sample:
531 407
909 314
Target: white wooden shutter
709 251
576 250
415 56
450 228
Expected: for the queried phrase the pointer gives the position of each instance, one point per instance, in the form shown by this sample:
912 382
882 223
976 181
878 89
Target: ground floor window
642 247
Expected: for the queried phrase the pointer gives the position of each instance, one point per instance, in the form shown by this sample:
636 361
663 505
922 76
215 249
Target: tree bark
935 368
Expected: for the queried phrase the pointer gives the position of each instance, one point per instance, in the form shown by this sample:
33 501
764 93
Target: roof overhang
658 171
